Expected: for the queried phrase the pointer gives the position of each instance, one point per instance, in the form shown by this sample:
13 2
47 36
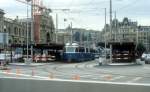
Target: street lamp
105 33
27 29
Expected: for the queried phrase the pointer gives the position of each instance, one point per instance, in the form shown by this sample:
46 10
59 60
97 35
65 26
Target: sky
88 14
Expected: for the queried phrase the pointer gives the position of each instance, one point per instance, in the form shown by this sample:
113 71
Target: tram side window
81 50
91 50
77 50
70 49
87 50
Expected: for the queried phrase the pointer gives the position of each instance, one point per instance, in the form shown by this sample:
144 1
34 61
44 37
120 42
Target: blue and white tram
75 53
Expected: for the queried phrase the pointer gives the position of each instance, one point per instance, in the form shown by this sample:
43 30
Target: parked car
143 56
101 60
5 58
147 59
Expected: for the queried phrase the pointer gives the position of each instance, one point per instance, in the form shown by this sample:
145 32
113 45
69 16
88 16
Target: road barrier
32 85
43 58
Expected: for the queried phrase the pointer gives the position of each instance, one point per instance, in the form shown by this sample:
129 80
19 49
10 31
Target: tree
140 49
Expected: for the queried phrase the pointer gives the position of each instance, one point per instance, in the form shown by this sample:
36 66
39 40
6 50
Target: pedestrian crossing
86 76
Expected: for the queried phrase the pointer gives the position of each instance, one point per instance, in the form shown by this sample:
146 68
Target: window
81 49
70 49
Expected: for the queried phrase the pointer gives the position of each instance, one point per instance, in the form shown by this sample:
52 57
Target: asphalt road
90 71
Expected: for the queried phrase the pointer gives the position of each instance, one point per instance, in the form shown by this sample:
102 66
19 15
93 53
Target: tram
76 53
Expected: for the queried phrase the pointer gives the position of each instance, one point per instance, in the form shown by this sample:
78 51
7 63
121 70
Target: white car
101 60
147 59
5 58
143 57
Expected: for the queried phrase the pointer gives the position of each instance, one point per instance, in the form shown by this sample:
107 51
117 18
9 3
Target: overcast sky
87 14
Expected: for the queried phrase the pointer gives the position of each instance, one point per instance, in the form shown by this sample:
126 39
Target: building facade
63 36
144 36
83 37
121 31
17 29
44 28
126 31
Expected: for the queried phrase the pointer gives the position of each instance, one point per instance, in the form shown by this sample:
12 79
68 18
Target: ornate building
17 29
121 31
144 36
127 31
43 28
1 20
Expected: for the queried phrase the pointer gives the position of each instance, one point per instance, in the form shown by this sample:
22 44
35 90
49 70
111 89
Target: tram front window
70 49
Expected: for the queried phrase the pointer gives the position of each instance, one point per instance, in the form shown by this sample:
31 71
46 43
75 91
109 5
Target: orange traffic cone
108 77
7 71
18 71
51 76
76 77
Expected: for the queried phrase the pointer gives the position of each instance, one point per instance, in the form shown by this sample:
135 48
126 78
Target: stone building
43 28
125 31
82 36
17 29
63 36
144 36
1 20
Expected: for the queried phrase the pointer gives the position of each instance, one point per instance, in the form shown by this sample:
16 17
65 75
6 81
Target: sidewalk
31 64
121 64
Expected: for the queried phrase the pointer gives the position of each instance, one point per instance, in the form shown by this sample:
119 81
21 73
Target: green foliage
140 49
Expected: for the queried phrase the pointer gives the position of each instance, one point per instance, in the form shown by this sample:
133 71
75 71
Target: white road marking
25 75
134 80
147 68
104 75
86 75
90 75
116 78
95 78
